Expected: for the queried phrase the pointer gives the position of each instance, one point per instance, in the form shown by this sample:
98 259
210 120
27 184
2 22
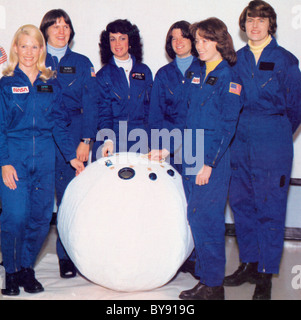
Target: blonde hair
34 32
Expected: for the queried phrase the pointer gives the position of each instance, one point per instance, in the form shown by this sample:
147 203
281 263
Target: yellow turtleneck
210 66
257 50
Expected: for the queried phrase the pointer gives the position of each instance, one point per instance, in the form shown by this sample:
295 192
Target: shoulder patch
235 88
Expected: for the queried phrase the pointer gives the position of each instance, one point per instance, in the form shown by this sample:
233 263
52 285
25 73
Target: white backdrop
154 18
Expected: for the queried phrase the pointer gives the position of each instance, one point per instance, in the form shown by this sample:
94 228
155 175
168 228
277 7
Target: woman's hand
82 152
108 148
9 176
203 175
158 155
77 165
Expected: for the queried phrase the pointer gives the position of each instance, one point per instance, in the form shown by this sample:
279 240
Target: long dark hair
259 9
215 30
51 17
123 27
184 27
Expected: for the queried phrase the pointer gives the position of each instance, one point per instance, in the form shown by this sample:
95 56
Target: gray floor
284 285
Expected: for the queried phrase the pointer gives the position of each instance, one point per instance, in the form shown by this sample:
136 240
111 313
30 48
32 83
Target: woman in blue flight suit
124 87
168 106
262 151
31 114
214 106
76 76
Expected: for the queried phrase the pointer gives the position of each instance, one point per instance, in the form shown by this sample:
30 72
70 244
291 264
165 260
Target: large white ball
123 222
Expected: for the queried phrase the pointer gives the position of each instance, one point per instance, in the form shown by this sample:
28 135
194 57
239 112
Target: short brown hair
262 9
215 30
50 19
184 27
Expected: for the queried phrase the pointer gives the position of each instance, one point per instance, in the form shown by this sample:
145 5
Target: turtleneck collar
184 63
210 66
57 52
257 50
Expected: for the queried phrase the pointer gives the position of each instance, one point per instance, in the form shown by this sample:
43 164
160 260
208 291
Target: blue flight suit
77 78
121 101
30 116
262 153
214 106
168 106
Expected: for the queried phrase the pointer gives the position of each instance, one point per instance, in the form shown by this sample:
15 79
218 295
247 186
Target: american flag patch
93 72
235 88
3 56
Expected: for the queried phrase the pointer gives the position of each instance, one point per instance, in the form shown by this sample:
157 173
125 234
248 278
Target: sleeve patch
235 88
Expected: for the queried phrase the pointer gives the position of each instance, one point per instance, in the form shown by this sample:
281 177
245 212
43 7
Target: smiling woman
257 30
124 85
31 117
28 50
76 75
181 45
262 150
168 106
119 44
59 33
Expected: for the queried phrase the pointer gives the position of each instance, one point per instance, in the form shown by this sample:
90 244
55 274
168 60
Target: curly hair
184 27
215 30
123 27
260 9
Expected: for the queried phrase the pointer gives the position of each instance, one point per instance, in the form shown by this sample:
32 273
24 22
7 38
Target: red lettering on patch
20 89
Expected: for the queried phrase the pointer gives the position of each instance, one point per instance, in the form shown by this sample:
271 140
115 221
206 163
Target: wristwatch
85 141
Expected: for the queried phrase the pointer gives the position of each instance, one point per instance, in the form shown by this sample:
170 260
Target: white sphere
123 222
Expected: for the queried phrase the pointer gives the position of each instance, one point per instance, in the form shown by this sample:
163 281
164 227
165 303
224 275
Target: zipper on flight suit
33 129
18 106
71 83
270 79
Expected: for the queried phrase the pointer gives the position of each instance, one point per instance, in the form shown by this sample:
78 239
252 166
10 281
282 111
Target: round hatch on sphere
123 223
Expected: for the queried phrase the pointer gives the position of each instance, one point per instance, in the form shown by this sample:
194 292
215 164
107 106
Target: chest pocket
18 100
271 80
45 99
209 106
269 75
172 94
138 88
68 77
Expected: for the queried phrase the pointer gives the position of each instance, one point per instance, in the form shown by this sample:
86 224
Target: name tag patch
266 66
138 76
190 74
212 81
45 88
20 89
67 70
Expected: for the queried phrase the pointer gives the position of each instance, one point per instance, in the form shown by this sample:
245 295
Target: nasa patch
138 76
20 90
196 80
